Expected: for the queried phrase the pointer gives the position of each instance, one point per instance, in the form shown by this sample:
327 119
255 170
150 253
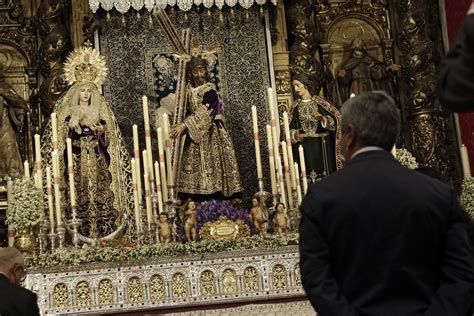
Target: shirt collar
366 149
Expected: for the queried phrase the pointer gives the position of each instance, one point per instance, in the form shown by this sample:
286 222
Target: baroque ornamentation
208 286
55 44
279 277
83 294
157 288
283 82
229 281
60 296
106 292
179 285
135 289
251 277
430 132
297 273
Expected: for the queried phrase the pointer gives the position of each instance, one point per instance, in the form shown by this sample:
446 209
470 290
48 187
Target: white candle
281 181
289 149
146 121
256 142
50 199
26 167
158 187
303 169
11 228
57 194
136 152
54 126
166 134
287 175
164 189
466 166
271 159
298 186
39 162
70 172
136 204
149 214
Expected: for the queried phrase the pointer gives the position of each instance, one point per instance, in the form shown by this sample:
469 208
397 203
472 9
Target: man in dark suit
14 299
456 81
378 239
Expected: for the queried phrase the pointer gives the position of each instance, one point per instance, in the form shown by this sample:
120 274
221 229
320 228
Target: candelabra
52 239
61 232
262 194
75 223
42 241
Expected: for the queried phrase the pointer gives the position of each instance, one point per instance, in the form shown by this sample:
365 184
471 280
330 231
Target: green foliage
73 256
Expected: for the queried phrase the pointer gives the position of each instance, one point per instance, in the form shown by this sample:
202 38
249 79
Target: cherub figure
166 228
281 220
190 223
259 216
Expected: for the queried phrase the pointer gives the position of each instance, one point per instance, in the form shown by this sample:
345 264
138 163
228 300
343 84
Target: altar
160 150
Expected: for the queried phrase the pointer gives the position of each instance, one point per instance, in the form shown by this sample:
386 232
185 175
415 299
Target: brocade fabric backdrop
243 75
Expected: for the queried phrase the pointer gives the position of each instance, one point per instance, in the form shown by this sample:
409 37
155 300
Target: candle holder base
52 240
61 232
75 223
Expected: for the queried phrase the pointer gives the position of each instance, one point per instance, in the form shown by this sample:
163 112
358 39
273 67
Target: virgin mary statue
101 168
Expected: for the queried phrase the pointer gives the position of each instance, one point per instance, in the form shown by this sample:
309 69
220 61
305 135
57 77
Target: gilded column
429 131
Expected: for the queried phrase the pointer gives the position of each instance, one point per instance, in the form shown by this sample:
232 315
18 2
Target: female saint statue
315 125
101 171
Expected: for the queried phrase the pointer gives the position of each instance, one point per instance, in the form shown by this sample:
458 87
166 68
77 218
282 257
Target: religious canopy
185 5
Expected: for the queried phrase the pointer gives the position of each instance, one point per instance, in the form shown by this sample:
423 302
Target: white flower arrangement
467 196
406 158
25 208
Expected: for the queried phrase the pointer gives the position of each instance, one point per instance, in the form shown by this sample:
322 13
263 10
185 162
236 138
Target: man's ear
350 136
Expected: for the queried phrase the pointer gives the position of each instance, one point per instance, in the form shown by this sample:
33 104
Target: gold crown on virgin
85 64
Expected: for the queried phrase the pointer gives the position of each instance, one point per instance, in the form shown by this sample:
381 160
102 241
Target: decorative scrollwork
106 292
179 285
208 286
251 278
229 281
83 294
279 277
135 290
60 296
297 272
157 287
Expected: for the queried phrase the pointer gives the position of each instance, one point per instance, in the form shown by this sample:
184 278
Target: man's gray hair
9 256
375 118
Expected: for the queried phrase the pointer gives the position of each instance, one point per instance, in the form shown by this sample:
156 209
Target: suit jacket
456 80
379 239
16 300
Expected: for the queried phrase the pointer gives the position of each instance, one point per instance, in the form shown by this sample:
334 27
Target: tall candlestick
136 203
54 127
158 188
298 186
466 166
166 135
164 189
304 178
70 172
57 194
289 149
394 151
50 199
11 228
136 153
287 174
271 159
256 142
146 121
38 162
26 167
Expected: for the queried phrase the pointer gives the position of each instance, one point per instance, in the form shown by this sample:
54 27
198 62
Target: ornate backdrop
131 45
